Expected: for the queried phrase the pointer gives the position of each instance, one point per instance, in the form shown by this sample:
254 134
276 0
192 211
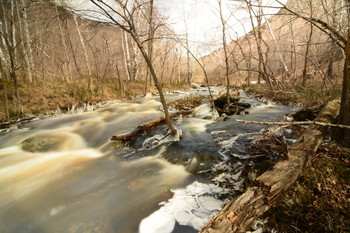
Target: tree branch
296 123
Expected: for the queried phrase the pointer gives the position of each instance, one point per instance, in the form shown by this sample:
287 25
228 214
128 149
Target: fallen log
295 123
143 128
240 214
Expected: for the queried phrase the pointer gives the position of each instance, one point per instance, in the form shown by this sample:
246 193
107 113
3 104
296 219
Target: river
73 180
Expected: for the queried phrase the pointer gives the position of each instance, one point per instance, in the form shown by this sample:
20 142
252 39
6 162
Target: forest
269 70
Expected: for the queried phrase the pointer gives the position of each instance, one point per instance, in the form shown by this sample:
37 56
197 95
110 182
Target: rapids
60 174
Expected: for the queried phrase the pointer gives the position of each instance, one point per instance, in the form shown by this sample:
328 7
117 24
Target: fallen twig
295 123
240 213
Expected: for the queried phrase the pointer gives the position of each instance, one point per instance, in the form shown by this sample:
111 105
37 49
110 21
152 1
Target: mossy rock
52 141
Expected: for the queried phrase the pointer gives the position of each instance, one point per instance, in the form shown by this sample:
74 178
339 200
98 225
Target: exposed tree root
239 214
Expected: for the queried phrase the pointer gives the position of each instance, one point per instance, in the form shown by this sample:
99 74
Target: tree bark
224 44
306 58
3 77
146 127
262 74
342 136
285 67
86 56
151 33
240 214
66 70
23 46
29 41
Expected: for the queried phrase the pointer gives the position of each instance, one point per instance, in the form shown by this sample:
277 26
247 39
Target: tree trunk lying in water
147 126
239 214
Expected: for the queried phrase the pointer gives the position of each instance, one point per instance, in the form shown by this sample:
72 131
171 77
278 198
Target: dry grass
312 95
46 97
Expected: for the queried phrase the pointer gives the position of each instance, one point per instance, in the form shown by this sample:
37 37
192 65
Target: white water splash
193 206
160 139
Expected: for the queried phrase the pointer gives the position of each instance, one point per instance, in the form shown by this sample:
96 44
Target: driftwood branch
296 123
239 214
143 128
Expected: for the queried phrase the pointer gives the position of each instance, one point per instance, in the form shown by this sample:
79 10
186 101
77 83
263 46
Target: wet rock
233 110
200 162
221 102
223 118
307 114
52 141
244 105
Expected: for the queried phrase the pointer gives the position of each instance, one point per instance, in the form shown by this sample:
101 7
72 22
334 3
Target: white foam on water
193 206
203 110
160 139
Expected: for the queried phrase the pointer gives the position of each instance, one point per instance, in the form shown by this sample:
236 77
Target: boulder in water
222 100
52 141
307 114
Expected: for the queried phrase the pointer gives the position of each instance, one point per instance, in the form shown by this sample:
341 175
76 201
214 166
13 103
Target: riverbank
319 201
47 97
314 94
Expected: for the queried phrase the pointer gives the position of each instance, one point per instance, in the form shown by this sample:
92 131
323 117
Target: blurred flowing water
77 181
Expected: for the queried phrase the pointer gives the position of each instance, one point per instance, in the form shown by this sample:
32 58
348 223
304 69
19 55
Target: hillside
293 35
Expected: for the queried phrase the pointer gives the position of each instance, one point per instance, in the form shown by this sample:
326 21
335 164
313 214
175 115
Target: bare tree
3 78
341 135
66 70
262 68
8 34
86 56
122 15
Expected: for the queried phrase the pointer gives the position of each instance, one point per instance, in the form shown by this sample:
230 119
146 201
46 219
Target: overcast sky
203 22
202 19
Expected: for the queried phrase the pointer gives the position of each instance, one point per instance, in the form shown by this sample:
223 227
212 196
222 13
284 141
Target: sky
202 19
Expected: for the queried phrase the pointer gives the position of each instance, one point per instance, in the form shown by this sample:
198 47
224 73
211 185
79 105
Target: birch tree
86 56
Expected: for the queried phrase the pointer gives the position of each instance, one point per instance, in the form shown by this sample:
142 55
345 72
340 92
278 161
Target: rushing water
80 182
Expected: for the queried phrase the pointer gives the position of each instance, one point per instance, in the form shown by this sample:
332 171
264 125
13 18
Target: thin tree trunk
11 46
23 46
342 136
86 56
262 74
306 58
126 53
3 78
74 55
156 83
66 70
151 33
29 42
224 43
119 79
285 67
